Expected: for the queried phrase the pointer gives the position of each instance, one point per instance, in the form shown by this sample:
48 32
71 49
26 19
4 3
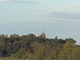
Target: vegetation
30 47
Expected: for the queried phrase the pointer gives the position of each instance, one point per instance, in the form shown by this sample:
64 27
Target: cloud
3 0
21 1
66 6
26 1
64 16
50 16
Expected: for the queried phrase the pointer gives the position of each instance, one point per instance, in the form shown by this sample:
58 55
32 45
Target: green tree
67 50
39 52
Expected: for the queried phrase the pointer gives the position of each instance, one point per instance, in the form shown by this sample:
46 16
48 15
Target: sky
60 18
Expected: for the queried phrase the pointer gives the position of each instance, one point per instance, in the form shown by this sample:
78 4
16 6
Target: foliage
38 48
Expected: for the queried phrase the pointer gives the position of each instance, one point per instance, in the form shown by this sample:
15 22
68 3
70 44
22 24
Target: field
11 59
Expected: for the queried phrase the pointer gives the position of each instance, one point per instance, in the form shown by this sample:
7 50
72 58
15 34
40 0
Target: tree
39 52
70 40
67 50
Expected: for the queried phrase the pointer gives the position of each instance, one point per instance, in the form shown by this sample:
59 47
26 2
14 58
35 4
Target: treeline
38 48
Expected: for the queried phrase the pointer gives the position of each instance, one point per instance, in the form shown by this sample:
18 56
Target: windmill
43 34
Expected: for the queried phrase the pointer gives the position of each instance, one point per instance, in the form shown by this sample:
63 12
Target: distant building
43 35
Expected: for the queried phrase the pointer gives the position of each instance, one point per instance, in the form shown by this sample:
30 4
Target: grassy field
12 59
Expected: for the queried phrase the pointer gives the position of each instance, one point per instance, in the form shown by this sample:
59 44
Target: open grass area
11 59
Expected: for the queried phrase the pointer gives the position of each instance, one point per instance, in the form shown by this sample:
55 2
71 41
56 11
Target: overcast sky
59 18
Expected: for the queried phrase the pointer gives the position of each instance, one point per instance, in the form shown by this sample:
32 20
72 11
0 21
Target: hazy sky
59 18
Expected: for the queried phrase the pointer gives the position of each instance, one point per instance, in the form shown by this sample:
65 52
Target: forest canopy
38 48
